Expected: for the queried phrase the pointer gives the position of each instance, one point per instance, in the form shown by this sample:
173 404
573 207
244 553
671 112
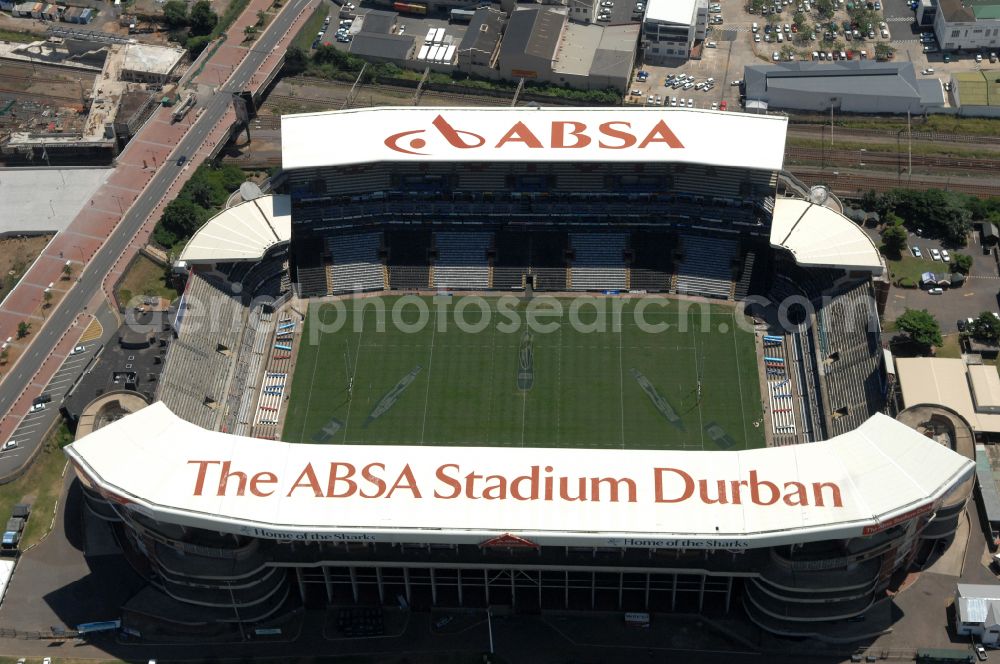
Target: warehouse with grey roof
850 86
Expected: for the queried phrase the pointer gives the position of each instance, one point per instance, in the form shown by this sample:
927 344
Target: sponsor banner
577 135
896 520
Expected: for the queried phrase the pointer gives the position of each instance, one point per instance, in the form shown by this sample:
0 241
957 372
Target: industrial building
670 29
542 45
850 86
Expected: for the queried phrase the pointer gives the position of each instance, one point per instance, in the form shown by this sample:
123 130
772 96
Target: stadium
537 359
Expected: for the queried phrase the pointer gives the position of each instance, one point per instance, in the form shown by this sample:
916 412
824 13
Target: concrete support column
673 595
381 587
406 584
354 583
302 583
486 585
328 582
460 601
566 587
621 587
646 600
513 589
729 592
434 589
701 594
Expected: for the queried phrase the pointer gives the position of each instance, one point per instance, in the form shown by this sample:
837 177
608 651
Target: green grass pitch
562 381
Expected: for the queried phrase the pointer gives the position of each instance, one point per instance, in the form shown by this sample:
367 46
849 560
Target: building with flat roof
671 27
150 63
848 86
968 24
971 390
383 47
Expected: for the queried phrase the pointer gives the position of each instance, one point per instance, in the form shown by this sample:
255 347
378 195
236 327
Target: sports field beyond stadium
672 374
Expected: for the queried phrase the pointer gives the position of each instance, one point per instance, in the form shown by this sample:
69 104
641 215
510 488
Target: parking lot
978 294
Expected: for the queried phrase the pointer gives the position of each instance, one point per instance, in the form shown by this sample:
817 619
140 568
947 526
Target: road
78 297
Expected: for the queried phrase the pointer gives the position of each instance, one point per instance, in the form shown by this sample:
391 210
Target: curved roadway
215 107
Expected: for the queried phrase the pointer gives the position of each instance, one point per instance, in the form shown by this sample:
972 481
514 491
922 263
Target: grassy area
232 12
942 149
16 256
39 486
21 37
908 267
314 24
144 277
943 124
951 347
692 385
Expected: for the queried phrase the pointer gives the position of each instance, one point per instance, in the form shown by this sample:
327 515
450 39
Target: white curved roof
243 232
820 237
553 134
855 484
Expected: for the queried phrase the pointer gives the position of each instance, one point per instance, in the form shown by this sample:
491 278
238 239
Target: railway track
851 158
850 184
819 130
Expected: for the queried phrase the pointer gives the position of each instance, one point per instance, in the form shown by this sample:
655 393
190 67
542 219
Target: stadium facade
238 529
812 533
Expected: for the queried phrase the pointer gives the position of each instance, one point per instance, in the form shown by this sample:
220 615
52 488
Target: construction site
78 96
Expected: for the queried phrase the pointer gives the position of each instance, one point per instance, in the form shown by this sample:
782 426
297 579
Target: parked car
945 256
9 445
775 56
916 252
78 349
37 408
935 254
927 71
936 291
981 653
722 105
961 324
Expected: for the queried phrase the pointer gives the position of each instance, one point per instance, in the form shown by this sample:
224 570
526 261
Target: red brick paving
95 222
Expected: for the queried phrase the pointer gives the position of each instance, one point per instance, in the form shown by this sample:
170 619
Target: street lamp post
861 153
118 200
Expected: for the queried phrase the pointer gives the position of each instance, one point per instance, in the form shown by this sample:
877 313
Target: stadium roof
820 237
856 484
243 232
946 382
680 12
357 136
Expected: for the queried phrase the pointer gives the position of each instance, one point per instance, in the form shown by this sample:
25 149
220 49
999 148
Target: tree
67 271
47 298
961 263
203 20
799 20
196 45
182 217
893 240
825 8
296 61
920 326
201 192
4 355
986 327
261 17
249 32
940 213
883 51
175 13
23 329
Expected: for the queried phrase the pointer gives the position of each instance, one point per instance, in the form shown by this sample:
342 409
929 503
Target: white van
754 27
